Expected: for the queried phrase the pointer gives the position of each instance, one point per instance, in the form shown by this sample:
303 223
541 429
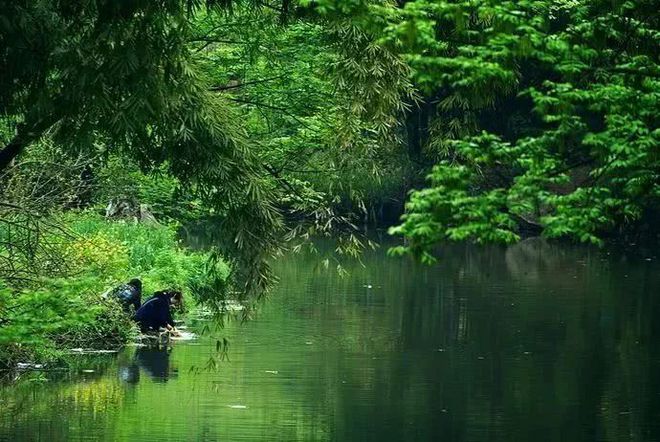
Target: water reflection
532 258
534 341
154 361
129 373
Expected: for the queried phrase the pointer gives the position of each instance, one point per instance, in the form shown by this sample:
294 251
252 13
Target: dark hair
170 294
136 283
176 294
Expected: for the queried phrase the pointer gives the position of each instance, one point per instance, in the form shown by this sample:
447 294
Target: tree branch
270 106
11 151
235 86
25 134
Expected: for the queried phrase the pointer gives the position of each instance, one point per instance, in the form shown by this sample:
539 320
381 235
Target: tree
122 74
546 117
165 84
320 100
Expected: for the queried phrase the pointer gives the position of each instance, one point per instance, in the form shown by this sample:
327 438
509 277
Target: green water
533 342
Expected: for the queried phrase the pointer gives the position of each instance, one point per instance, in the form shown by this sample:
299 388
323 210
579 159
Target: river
532 342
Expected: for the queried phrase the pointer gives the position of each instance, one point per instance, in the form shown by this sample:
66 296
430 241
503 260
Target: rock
122 208
129 208
184 336
146 216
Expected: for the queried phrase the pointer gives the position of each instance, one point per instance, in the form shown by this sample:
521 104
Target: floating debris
88 371
238 407
226 306
29 366
89 351
272 371
184 336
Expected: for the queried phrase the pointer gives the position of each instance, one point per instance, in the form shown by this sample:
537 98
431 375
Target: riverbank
41 320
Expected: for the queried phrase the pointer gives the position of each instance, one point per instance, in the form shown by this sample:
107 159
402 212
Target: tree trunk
11 151
24 135
417 128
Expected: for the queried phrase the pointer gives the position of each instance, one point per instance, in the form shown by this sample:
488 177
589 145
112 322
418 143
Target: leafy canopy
546 117
121 77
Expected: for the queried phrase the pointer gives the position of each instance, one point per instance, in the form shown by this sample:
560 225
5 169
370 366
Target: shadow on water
153 361
531 342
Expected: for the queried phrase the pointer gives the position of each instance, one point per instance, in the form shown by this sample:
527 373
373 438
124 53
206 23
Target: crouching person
156 312
128 295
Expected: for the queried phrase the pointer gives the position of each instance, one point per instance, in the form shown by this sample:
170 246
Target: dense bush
121 179
40 320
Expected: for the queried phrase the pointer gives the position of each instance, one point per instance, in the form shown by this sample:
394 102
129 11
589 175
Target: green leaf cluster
546 117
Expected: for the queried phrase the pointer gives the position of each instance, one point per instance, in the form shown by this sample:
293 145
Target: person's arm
164 317
168 319
136 302
170 324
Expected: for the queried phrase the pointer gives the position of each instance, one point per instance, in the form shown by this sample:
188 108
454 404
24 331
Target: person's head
136 283
176 298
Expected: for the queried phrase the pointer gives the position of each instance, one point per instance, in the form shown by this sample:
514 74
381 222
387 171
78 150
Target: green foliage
47 178
37 324
547 116
320 100
53 314
267 117
117 251
286 120
142 94
121 79
120 179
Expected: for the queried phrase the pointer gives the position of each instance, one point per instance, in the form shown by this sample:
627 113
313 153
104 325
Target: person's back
155 312
129 294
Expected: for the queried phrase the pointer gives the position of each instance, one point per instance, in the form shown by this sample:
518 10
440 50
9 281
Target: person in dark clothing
129 295
156 313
